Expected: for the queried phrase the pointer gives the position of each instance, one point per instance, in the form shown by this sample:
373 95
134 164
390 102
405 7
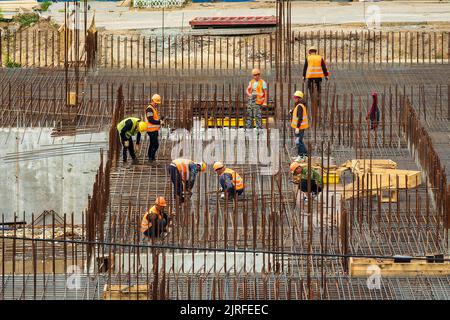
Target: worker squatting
183 172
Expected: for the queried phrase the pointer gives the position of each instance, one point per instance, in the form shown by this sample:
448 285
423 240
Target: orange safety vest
145 223
183 167
150 126
314 67
260 96
237 181
294 121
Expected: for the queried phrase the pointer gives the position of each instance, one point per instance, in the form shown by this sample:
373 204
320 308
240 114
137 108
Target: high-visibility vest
260 97
133 130
294 121
145 223
314 67
150 126
236 179
183 167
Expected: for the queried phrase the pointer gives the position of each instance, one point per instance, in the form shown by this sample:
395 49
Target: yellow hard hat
160 201
294 165
217 165
202 166
256 71
156 98
298 94
142 126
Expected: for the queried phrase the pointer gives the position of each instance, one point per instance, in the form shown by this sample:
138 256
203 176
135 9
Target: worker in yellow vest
257 98
127 128
154 125
184 172
155 219
299 122
230 181
314 70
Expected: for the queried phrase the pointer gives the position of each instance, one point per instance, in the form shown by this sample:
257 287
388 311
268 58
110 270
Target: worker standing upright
314 70
154 125
374 113
184 172
230 181
299 123
257 98
127 128
154 221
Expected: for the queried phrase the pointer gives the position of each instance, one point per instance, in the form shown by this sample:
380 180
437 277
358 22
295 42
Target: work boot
134 161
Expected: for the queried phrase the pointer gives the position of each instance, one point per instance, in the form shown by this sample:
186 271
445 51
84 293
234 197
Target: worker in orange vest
154 125
230 181
257 98
184 171
155 219
299 122
314 70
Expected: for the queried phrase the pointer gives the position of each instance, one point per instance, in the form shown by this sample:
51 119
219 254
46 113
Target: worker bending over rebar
127 128
300 177
155 219
183 173
231 183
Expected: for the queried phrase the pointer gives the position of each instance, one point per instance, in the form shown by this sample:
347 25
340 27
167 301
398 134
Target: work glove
304 79
297 130
126 144
222 195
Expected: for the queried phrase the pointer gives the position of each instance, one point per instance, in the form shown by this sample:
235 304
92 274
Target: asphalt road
112 17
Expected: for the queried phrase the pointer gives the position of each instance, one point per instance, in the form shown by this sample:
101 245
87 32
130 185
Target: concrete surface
112 17
57 179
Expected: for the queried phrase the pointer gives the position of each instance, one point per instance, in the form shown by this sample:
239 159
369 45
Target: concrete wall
58 175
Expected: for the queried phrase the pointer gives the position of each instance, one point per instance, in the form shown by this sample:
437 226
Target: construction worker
314 70
299 123
257 98
184 171
374 113
299 172
154 125
155 219
230 181
127 128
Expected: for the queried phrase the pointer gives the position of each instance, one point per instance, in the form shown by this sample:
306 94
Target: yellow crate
230 122
332 178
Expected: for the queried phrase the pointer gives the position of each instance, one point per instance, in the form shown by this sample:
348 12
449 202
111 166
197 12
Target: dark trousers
301 147
314 87
232 192
314 187
175 176
130 149
156 230
153 144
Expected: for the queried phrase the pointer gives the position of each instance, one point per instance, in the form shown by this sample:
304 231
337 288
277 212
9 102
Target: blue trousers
232 192
301 148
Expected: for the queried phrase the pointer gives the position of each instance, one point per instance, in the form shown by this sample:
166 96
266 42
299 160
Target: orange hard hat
294 165
160 201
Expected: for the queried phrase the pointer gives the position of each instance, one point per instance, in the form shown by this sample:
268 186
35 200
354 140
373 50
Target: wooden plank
359 267
125 292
